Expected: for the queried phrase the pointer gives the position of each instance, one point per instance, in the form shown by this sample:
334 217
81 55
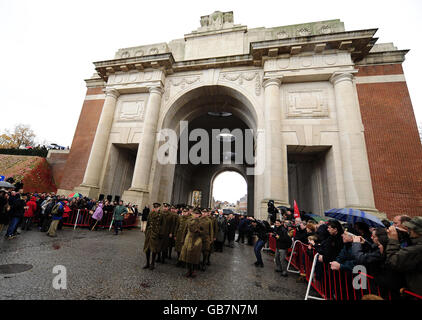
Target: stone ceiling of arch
206 99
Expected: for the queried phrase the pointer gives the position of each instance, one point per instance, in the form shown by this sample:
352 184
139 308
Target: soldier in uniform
152 235
192 247
180 233
172 221
207 236
164 232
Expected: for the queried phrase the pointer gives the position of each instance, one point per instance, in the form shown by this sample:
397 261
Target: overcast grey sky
229 186
47 47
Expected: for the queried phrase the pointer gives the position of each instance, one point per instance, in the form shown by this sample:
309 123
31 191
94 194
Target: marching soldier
192 247
172 235
152 235
207 236
164 232
181 232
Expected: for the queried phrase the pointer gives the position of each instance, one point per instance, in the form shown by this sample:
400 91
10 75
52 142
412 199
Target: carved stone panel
131 108
311 103
241 77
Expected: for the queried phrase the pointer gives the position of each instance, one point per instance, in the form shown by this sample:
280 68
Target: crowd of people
392 254
21 211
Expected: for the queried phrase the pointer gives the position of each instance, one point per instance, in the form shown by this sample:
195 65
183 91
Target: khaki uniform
192 247
173 218
152 233
165 230
207 233
181 225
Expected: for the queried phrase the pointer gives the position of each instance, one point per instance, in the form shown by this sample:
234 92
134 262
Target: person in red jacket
29 213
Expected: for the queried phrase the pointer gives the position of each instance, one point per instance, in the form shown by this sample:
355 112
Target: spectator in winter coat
345 260
96 217
231 230
375 259
17 212
221 233
29 213
56 216
283 242
243 228
407 260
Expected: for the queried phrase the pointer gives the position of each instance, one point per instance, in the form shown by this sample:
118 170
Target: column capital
156 89
340 76
112 92
271 81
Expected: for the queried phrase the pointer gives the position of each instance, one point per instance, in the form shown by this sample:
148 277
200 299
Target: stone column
139 188
276 174
356 174
90 184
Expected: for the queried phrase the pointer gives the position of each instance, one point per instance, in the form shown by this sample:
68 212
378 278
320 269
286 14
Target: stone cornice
158 61
358 43
383 57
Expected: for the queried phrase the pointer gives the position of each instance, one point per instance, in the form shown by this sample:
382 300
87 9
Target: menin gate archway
206 108
219 172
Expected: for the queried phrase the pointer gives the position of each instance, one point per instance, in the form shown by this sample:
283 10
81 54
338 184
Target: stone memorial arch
307 90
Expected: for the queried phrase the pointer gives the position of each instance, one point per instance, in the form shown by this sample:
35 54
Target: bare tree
22 135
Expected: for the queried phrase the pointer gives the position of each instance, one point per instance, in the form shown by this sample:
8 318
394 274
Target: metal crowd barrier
82 218
330 284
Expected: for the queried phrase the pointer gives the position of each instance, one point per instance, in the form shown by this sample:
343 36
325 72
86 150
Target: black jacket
284 241
375 262
330 247
18 208
145 214
260 230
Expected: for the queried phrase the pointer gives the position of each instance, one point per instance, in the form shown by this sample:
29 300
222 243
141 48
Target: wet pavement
102 266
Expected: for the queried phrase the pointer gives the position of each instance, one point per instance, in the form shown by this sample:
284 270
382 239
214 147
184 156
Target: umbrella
6 184
316 217
73 195
354 215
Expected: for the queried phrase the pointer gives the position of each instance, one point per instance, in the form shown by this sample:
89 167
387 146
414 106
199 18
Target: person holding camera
258 227
407 260
272 211
283 242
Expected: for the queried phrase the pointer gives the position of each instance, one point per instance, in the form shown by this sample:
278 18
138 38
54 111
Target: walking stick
76 221
111 224
94 225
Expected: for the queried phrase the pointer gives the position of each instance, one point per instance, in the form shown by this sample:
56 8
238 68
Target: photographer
272 211
283 242
261 231
407 260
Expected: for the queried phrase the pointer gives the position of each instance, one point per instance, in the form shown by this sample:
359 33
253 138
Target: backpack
55 211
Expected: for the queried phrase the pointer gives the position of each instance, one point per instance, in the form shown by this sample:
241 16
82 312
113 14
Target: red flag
297 213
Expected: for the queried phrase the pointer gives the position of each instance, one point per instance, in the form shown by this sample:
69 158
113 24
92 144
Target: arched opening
228 119
229 191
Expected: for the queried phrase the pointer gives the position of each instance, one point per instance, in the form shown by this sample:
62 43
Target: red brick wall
393 144
57 162
82 141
